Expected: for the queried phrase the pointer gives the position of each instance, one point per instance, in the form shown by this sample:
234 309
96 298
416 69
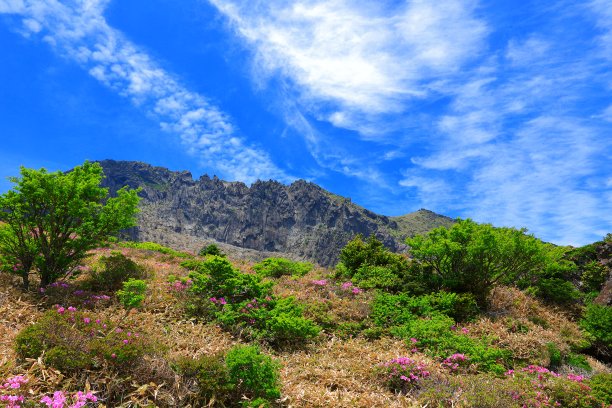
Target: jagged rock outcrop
301 219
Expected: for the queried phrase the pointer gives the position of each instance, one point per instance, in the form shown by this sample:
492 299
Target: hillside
301 220
341 367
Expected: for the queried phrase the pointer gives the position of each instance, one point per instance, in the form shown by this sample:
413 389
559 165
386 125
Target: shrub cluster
403 374
245 376
277 267
244 304
133 293
211 249
109 273
70 340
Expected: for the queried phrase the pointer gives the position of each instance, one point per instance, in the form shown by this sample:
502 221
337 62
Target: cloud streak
78 31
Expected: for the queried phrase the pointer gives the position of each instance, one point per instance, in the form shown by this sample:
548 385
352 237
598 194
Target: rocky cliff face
300 219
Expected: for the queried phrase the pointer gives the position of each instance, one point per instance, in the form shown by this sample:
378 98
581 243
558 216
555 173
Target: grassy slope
334 371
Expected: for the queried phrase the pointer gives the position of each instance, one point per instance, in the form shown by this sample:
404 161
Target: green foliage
594 275
395 310
554 356
578 361
601 386
133 293
597 322
72 341
110 272
244 304
154 246
277 267
53 219
253 373
211 249
376 277
370 265
472 258
211 375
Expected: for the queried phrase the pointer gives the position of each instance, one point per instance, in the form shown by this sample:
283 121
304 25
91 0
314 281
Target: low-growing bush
244 304
578 361
154 246
394 310
133 293
71 340
111 271
277 267
211 375
554 356
597 322
601 386
253 374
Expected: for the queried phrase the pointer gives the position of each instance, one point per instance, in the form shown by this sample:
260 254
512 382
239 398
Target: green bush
111 271
376 277
277 267
211 249
394 310
594 275
244 304
597 322
361 261
578 361
72 341
252 373
133 293
211 375
554 356
601 386
153 246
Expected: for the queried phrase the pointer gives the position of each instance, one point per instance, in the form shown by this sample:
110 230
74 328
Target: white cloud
79 31
365 57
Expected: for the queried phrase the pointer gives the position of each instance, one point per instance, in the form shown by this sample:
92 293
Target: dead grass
329 373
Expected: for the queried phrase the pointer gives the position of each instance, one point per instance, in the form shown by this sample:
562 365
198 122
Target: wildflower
58 400
113 355
86 320
61 310
222 301
321 282
72 309
464 330
126 341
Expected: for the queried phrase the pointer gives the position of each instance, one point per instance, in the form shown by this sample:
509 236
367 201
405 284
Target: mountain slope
300 219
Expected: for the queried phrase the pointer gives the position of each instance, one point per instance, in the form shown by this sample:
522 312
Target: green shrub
594 275
133 293
252 373
601 386
359 260
153 246
556 290
211 375
376 277
245 305
597 322
394 310
578 361
111 271
72 341
554 356
277 267
211 249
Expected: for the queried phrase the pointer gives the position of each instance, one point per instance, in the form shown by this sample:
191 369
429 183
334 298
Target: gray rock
301 220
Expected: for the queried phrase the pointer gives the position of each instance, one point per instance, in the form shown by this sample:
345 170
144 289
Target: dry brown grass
329 373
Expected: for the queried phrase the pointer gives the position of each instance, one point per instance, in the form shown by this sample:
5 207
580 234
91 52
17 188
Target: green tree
53 219
471 258
211 249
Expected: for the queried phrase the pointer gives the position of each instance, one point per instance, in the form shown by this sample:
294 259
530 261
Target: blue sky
470 109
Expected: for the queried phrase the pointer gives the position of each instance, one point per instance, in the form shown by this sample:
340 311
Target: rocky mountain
301 220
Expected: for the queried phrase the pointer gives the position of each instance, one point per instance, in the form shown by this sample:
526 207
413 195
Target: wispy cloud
78 31
353 61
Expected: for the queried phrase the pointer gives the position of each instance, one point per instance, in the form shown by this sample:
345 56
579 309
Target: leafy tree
53 219
472 258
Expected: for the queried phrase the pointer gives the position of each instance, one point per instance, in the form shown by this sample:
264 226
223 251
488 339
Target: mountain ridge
302 219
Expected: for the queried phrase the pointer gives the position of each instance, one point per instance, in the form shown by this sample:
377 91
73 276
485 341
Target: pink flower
321 282
86 320
61 310
126 341
71 309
